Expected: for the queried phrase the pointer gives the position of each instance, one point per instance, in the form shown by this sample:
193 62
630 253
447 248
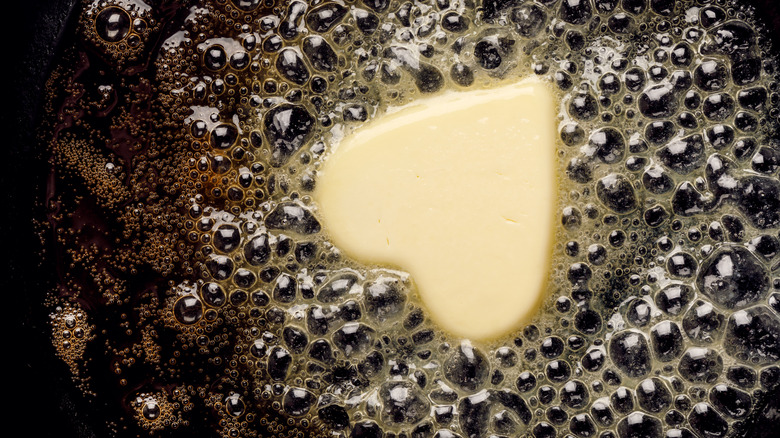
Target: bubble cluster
70 334
198 292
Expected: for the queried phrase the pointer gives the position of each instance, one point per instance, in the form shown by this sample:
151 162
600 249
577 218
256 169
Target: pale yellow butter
458 190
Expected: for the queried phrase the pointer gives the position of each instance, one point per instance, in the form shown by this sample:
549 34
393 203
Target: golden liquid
198 293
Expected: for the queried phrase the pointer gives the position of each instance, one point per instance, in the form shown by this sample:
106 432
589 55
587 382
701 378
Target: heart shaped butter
458 190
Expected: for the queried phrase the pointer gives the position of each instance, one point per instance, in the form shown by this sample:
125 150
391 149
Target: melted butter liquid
200 289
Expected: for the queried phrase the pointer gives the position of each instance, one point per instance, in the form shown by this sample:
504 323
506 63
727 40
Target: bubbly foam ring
198 293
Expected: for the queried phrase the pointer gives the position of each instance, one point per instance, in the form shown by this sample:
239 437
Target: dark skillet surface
38 398
37 392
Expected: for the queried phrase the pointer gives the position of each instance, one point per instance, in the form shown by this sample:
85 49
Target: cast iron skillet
38 395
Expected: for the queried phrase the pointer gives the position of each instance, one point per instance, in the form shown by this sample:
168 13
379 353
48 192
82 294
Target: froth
185 144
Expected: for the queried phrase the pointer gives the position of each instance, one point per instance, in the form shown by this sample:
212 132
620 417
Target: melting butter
459 191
